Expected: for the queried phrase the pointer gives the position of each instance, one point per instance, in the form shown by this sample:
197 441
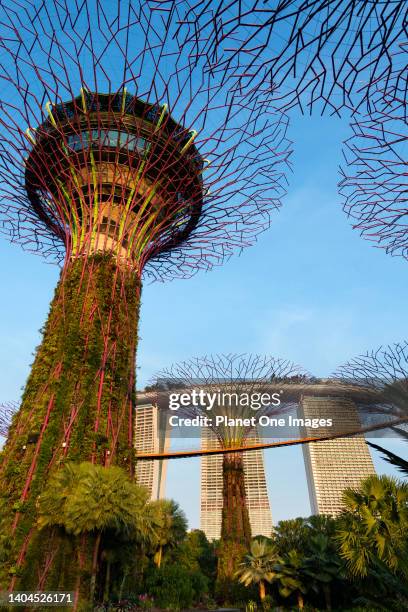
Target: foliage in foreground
360 558
144 558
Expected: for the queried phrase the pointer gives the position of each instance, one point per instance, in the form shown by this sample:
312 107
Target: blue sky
310 290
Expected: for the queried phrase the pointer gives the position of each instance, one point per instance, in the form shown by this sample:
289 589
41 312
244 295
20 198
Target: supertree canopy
374 180
104 178
305 52
118 157
384 370
231 379
73 91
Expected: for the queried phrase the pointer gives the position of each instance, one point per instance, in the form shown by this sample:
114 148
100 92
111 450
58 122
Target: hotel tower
151 436
333 465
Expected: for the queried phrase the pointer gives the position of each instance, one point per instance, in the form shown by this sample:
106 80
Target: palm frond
400 463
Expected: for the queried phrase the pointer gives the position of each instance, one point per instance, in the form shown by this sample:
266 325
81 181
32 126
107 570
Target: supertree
304 52
102 171
374 180
384 371
231 379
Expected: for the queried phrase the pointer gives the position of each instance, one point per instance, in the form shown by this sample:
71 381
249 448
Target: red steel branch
306 53
117 147
375 177
240 146
385 371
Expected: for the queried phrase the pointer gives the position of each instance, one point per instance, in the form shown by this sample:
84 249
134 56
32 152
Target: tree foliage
257 566
375 526
359 558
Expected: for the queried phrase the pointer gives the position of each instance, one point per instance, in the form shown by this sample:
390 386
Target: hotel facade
333 465
151 436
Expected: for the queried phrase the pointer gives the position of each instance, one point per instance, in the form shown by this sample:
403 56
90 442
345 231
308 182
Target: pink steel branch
59 57
375 178
305 53
242 143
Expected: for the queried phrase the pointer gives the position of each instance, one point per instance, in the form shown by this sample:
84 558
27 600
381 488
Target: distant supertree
330 52
228 375
7 411
375 179
101 169
385 371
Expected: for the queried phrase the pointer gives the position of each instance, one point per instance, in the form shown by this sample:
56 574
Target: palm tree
375 526
400 463
256 568
289 572
171 529
322 564
52 502
290 534
91 499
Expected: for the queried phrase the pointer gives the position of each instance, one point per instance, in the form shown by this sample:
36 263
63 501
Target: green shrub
175 588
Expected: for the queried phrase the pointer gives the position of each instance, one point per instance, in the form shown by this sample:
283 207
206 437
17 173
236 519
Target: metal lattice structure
89 116
384 370
374 180
119 158
235 375
304 52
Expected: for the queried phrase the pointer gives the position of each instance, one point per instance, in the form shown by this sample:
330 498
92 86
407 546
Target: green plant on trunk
77 406
235 526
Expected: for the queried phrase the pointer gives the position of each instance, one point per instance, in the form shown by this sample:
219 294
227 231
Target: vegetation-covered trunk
261 590
77 406
235 527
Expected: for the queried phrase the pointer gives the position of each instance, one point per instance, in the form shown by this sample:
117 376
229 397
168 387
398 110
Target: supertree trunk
235 527
77 406
106 148
239 376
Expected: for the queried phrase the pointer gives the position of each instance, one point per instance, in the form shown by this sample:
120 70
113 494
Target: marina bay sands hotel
330 465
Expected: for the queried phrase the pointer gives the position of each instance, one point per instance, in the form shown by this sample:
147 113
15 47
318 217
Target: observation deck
109 172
